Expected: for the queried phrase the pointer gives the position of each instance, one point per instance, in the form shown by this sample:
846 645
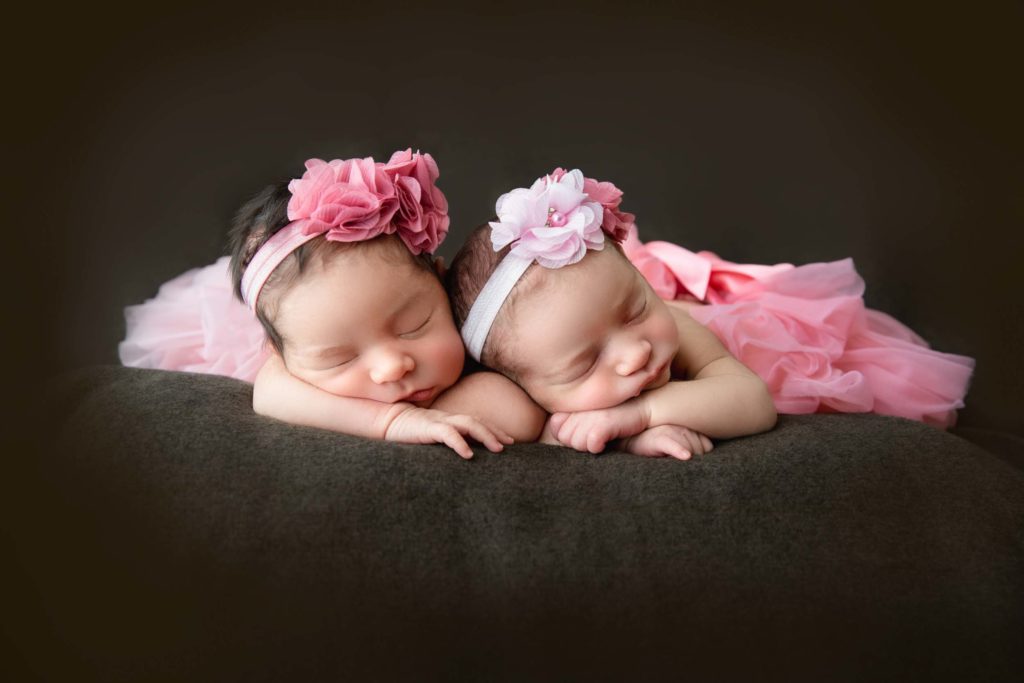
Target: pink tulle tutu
195 324
806 332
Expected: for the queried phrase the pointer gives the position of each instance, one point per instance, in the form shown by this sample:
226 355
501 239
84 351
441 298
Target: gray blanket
190 539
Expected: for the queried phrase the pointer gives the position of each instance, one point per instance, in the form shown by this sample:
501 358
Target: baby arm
497 401
672 440
279 394
723 398
721 402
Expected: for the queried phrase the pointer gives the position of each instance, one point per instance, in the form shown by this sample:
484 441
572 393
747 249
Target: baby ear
440 267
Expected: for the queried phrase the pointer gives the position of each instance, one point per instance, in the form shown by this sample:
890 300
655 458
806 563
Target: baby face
592 336
365 326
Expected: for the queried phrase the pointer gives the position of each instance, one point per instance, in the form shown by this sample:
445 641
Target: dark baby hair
263 216
471 268
469 272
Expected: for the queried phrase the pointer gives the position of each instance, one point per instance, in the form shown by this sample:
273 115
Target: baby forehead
606 267
360 288
595 285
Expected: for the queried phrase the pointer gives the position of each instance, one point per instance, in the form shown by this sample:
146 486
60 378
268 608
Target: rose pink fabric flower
351 200
358 199
422 217
410 210
550 222
615 222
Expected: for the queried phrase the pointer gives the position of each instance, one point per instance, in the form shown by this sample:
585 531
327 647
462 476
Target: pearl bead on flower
556 219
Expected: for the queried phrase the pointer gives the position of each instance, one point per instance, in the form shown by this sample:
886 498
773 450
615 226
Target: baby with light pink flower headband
660 347
545 296
337 268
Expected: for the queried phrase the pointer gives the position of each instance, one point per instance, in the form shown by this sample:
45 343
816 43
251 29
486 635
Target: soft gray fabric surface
193 540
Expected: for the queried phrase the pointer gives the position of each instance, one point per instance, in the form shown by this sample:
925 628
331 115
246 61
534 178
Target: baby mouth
421 395
654 378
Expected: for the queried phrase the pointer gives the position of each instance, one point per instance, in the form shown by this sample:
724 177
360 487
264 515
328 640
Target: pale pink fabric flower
615 222
550 222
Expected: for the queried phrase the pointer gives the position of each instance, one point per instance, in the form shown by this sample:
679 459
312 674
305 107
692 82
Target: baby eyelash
421 326
642 311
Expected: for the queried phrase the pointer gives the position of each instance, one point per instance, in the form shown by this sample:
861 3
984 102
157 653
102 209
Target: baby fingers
449 435
577 434
698 443
673 448
556 421
587 441
478 431
596 440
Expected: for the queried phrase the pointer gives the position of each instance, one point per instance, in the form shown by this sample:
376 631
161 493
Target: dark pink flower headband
352 201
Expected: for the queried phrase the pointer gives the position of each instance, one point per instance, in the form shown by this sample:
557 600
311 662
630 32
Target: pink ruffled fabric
806 332
195 324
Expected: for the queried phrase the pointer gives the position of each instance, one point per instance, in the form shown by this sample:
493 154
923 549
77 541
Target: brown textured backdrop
773 132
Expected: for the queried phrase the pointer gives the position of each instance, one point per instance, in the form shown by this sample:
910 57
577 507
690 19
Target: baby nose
634 357
391 367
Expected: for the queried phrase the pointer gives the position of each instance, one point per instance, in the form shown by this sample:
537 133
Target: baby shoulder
489 383
497 400
499 390
698 346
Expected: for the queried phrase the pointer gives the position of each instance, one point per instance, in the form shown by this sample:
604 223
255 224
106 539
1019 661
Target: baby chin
600 399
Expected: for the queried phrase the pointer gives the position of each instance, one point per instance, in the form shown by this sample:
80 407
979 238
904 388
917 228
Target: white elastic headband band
485 309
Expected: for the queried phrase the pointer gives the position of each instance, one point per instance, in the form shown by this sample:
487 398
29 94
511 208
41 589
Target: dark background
765 132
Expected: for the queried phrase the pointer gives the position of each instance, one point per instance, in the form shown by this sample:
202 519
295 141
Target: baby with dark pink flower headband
661 347
335 270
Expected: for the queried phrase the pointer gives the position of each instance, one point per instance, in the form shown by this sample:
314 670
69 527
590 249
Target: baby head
545 296
336 266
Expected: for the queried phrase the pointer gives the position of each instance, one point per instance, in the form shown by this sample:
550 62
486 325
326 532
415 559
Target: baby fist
591 430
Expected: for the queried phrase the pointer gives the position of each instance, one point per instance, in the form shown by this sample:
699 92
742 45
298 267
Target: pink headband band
269 257
356 200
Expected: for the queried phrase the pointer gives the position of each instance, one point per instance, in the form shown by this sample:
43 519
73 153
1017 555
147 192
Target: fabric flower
410 212
350 200
550 222
358 199
422 217
614 222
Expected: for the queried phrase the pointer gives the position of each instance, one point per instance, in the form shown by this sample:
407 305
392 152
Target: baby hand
423 425
673 440
591 430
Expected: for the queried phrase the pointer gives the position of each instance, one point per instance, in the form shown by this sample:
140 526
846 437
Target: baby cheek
445 357
341 384
667 328
598 392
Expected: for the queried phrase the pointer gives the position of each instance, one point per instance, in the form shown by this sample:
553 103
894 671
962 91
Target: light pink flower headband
352 201
553 223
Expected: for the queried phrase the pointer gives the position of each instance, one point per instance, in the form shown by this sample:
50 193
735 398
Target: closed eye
416 330
586 371
639 314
